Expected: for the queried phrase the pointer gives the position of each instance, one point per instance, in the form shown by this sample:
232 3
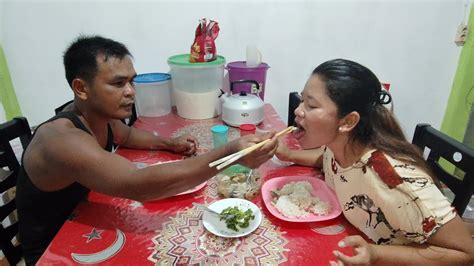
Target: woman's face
316 116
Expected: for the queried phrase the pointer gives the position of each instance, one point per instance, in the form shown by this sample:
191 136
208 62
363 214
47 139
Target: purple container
240 71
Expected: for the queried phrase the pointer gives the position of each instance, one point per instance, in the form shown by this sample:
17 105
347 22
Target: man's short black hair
80 59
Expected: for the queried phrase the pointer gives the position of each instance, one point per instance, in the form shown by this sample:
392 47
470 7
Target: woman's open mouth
298 133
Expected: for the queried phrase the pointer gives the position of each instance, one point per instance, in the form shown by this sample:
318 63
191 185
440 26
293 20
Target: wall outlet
461 35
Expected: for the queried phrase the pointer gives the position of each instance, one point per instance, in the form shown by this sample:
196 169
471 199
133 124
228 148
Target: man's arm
136 138
56 159
140 139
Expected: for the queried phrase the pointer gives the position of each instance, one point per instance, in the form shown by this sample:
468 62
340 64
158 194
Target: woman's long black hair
353 87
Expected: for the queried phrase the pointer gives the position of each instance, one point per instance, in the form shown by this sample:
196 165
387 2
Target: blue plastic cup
219 135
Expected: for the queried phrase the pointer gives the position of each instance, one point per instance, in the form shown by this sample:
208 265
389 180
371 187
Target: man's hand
364 253
260 155
186 145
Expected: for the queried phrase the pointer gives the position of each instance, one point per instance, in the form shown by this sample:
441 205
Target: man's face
112 91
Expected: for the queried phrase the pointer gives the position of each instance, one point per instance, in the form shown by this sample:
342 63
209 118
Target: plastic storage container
238 182
153 94
239 71
197 105
196 77
197 86
247 129
220 135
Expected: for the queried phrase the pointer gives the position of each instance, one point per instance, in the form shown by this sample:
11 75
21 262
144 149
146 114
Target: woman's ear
349 122
80 88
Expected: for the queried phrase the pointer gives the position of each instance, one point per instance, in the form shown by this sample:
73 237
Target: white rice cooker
242 108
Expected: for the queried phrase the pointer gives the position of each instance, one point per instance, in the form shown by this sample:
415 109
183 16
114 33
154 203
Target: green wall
7 93
462 93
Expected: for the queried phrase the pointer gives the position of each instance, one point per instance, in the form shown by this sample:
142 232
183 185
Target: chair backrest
294 100
9 168
460 155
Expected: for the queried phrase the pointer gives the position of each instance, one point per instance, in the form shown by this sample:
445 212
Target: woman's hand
185 144
364 253
283 153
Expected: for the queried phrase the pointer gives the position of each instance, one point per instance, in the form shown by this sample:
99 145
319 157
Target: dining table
110 230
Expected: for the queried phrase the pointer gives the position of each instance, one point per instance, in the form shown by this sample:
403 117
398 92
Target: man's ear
349 122
80 88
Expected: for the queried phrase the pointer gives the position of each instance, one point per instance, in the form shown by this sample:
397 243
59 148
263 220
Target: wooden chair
294 100
461 156
9 168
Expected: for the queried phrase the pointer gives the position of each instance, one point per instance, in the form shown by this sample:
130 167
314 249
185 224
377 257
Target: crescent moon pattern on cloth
103 254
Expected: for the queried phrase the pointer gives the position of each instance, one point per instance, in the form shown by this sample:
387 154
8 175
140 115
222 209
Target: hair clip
384 97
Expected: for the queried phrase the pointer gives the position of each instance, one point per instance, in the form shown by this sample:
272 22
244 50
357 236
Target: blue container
153 94
219 135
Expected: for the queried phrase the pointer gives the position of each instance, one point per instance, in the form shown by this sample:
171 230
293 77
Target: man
68 155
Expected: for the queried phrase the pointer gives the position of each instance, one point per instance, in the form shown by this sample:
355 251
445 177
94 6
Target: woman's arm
415 207
311 157
450 245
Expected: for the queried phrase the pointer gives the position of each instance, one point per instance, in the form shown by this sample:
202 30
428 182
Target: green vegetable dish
235 218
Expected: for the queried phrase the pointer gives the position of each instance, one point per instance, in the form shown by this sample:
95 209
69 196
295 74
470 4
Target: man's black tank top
41 214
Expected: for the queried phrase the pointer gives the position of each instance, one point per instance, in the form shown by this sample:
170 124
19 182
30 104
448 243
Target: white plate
212 223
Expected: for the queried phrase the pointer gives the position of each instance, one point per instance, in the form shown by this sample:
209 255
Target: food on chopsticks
235 218
296 199
227 160
235 185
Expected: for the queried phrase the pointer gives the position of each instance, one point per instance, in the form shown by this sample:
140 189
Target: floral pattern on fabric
333 166
429 224
375 214
419 182
384 169
390 201
184 241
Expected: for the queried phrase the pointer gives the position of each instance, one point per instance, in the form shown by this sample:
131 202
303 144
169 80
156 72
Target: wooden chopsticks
225 161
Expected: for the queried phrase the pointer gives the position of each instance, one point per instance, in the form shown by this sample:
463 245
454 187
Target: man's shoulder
58 128
55 146
58 136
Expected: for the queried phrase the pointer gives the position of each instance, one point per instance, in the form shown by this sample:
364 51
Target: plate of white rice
300 199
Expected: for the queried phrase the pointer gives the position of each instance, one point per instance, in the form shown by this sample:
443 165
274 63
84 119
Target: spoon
205 208
248 176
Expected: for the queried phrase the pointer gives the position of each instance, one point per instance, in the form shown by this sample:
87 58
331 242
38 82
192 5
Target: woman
382 183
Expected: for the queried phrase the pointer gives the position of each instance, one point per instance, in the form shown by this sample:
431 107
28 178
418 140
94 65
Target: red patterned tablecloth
117 231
